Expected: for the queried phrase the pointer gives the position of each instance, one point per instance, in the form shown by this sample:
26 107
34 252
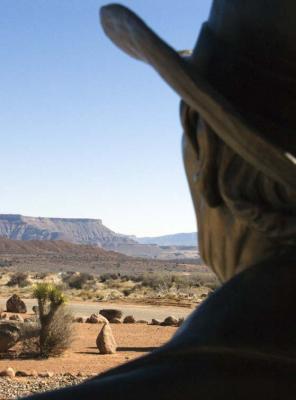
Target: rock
8 372
16 317
115 321
142 321
170 321
46 374
3 316
79 320
129 319
111 313
96 319
180 321
155 322
15 305
105 341
9 335
35 309
33 373
22 373
29 320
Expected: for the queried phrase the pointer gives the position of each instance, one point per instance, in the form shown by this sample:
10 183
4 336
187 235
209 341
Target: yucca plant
50 300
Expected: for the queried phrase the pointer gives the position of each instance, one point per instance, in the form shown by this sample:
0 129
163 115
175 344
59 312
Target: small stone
115 321
129 319
22 373
97 319
35 309
155 322
8 372
16 317
105 341
111 313
46 374
170 321
180 321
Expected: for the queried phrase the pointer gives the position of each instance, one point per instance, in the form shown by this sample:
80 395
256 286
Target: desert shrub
19 279
40 275
5 263
157 280
55 321
77 281
108 276
60 333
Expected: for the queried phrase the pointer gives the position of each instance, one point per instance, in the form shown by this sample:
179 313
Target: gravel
15 388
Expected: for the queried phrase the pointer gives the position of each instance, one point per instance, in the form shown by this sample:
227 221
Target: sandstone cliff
82 231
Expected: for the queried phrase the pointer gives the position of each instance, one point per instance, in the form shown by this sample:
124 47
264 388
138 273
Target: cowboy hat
228 79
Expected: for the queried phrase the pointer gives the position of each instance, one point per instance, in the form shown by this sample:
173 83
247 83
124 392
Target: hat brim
134 37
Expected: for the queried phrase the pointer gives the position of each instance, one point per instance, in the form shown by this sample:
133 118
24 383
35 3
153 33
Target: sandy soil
133 340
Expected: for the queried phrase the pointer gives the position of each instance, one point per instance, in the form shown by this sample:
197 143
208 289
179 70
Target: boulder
15 305
170 321
129 319
155 322
8 372
97 319
111 313
16 317
106 343
9 335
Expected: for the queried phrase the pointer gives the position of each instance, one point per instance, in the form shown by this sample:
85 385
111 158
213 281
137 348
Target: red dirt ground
133 340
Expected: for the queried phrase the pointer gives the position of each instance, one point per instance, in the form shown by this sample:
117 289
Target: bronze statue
238 112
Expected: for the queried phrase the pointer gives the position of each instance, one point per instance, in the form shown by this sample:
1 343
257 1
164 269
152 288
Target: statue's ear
205 145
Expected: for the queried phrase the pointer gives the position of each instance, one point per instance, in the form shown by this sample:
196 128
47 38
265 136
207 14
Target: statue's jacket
239 344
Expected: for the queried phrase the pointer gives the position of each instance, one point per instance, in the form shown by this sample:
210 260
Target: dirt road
146 312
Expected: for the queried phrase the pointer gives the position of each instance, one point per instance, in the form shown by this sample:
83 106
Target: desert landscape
108 308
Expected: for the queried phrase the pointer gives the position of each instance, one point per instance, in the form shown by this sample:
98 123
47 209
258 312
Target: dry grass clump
77 280
19 279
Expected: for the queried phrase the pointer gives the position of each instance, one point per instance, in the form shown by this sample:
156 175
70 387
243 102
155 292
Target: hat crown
264 29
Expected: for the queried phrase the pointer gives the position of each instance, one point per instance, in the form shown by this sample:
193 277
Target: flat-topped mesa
76 230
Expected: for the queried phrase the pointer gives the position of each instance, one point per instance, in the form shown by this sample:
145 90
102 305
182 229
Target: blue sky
87 131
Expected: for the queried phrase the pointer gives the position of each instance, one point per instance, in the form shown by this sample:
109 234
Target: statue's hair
266 205
229 180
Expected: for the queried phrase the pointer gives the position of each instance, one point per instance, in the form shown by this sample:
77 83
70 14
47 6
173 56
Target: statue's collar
255 310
